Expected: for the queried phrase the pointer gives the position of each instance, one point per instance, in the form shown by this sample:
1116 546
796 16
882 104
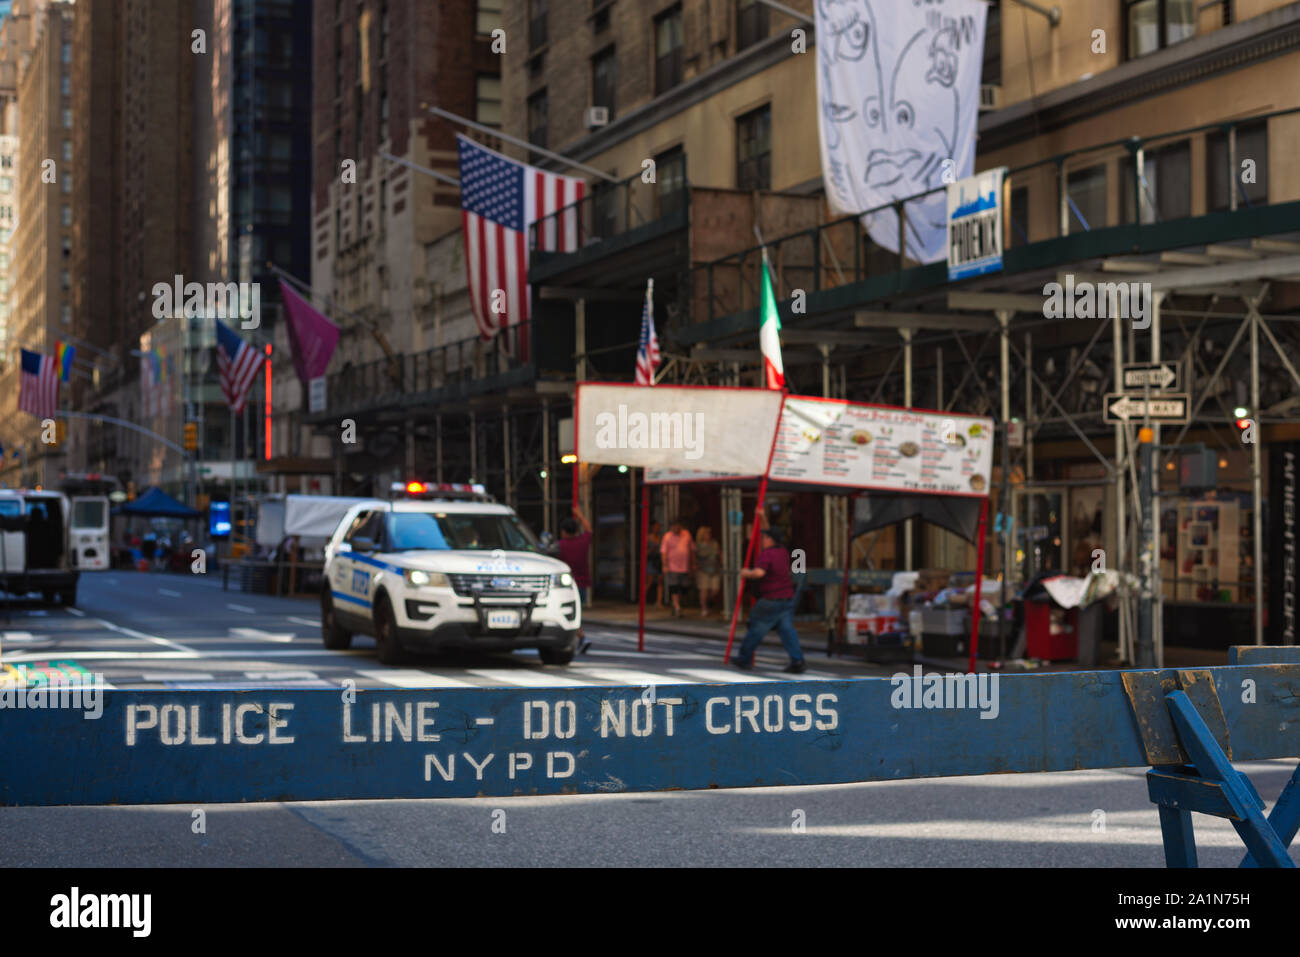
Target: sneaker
741 664
795 668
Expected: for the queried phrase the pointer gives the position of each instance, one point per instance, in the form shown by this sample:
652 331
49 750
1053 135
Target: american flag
499 199
647 353
38 390
237 363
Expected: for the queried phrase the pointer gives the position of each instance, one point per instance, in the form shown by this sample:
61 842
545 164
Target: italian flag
769 333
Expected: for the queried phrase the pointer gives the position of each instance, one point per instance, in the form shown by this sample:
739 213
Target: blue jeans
769 613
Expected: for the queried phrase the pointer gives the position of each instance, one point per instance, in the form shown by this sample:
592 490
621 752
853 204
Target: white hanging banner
898 90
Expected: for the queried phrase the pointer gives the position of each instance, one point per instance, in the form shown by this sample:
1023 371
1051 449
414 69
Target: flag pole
515 141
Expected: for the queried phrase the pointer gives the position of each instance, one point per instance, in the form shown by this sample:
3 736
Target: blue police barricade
72 746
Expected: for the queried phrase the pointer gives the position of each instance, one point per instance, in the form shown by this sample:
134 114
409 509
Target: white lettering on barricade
613 717
777 713
174 724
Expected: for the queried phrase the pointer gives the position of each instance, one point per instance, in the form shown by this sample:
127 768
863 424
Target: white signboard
677 427
975 225
832 442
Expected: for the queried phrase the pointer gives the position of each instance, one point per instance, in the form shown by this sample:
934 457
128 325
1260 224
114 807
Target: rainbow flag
63 354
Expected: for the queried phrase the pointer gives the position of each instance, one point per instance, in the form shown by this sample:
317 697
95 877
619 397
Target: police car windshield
409 531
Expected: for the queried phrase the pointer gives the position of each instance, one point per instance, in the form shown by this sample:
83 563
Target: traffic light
191 436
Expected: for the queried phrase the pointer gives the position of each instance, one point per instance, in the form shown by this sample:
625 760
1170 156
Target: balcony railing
613 209
457 368
839 253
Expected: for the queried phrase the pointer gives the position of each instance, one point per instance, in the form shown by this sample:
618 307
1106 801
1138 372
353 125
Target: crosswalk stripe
176 676
629 677
281 675
309 622
718 675
411 678
526 679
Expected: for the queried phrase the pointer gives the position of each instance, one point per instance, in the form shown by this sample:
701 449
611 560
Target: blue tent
155 503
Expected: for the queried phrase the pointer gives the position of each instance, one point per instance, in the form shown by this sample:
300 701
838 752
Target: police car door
350 578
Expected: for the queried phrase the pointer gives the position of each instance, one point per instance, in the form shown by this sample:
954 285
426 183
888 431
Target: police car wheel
68 598
390 651
556 656
333 637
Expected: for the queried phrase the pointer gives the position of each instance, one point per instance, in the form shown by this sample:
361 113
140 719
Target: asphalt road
163 631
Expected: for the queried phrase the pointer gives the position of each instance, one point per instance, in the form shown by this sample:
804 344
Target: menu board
833 442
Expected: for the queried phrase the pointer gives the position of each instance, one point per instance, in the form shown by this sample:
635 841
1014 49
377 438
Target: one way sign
1122 407
1153 375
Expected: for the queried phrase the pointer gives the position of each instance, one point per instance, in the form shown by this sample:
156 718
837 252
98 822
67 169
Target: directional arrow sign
1122 407
1154 375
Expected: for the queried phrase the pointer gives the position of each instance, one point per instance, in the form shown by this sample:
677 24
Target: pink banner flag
312 336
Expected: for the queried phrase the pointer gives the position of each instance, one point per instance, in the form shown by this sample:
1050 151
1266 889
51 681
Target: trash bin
1052 632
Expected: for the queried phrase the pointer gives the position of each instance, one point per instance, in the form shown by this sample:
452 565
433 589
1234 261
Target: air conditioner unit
596 116
990 97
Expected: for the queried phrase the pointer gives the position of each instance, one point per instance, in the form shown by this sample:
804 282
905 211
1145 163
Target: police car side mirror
363 545
343 547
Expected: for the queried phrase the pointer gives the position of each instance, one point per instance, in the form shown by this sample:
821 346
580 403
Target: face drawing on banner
922 76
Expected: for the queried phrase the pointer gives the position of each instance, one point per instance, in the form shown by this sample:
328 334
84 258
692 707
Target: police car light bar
428 488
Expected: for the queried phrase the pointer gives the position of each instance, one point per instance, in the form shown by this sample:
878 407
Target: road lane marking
309 622
169 593
631 677
153 639
243 608
75 611
414 678
527 679
718 675
255 634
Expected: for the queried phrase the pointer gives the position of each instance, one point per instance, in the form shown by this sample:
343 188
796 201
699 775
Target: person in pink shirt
678 551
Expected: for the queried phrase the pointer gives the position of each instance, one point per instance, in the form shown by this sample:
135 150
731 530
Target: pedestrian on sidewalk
708 568
678 554
775 606
654 566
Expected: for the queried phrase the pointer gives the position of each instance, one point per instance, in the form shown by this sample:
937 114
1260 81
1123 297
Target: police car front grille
470 585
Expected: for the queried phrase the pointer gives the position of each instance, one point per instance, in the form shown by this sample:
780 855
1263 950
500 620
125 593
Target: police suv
445 566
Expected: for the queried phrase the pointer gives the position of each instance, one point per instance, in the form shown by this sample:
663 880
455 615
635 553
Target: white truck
36 545
445 567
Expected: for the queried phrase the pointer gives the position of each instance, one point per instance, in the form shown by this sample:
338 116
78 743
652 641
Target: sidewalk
812 635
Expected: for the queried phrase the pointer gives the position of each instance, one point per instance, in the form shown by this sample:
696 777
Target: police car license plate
503 619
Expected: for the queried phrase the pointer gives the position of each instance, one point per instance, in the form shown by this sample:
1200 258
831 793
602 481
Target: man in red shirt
575 548
678 551
775 605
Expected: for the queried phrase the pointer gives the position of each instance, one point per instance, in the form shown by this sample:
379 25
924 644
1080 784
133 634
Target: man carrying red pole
775 606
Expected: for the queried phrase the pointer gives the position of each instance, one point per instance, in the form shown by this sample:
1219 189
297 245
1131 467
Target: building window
537 111
1086 189
6 184
536 23
487 17
991 72
66 218
754 149
670 180
487 100
65 87
67 182
1167 190
1019 216
1252 144
751 23
65 314
67 119
1152 25
602 80
66 53
668 50
383 108
67 151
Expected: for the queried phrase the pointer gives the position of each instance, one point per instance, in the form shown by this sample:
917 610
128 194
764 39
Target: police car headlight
562 580
416 576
